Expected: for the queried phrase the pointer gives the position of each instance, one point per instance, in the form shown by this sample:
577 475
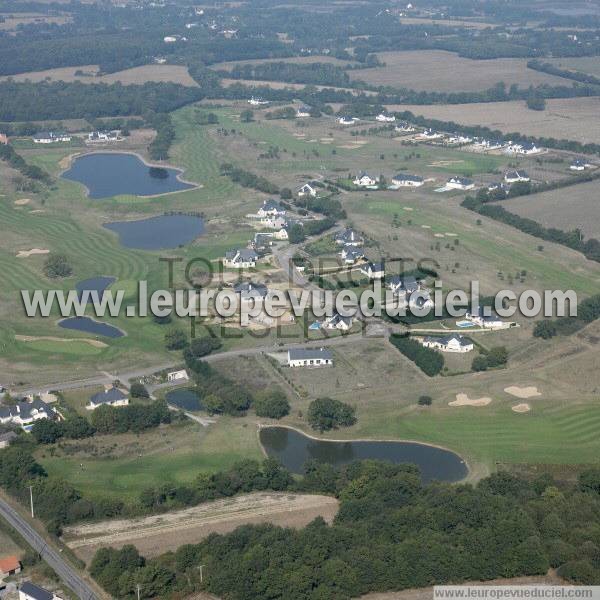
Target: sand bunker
22 201
409 208
522 392
451 234
521 408
438 235
464 400
41 210
48 338
426 226
32 252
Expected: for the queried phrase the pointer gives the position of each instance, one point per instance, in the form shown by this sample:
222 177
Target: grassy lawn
123 465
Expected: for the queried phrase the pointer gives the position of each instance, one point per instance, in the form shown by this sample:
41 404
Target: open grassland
585 64
121 466
135 75
440 71
568 118
568 209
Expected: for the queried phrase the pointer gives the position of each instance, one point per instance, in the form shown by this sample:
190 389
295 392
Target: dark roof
24 409
248 288
406 177
408 283
36 592
309 354
108 396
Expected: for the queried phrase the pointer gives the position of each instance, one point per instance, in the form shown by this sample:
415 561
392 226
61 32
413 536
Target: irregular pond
113 173
158 233
184 398
89 325
94 284
293 449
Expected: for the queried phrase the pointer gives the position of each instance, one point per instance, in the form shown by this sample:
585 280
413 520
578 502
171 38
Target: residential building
430 134
309 357
337 321
400 285
258 101
50 137
516 176
282 234
307 190
490 144
249 291
405 180
30 591
241 258
181 375
349 237
373 270
460 183
385 118
25 414
487 321
346 120
271 208
451 343
364 180
579 164
7 438
303 111
103 136
262 241
112 396
525 148
459 138
273 222
10 565
404 127
351 254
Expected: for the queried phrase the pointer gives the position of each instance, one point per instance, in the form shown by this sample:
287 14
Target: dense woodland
391 533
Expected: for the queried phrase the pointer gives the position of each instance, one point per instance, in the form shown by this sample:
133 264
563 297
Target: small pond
158 233
113 174
94 284
184 398
89 325
293 449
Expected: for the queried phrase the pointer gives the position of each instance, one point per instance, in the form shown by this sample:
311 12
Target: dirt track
159 533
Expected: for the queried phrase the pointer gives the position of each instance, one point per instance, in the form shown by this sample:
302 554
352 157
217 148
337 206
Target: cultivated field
12 23
570 118
136 75
439 71
158 534
301 60
586 64
568 209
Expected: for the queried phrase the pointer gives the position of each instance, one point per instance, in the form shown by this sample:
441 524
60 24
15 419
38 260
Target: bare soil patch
157 534
437 70
522 392
464 400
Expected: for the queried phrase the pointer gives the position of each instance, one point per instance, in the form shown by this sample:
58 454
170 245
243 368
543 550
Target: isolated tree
247 116
272 404
326 413
138 390
479 363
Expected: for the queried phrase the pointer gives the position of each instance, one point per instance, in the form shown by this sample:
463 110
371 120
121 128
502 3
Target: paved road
68 574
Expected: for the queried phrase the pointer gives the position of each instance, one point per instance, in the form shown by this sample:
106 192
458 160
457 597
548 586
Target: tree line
430 361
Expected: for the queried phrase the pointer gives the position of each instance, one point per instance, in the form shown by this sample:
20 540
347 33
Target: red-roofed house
9 566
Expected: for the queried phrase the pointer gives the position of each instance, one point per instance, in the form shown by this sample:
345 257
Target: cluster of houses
366 181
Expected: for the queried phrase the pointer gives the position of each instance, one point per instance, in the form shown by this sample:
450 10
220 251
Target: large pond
113 174
89 325
184 399
158 233
293 449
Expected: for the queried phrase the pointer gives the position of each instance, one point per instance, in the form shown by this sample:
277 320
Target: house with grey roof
351 255
460 183
30 591
373 270
349 237
241 258
515 176
25 414
402 285
363 179
450 343
406 180
339 322
110 397
270 208
309 357
250 291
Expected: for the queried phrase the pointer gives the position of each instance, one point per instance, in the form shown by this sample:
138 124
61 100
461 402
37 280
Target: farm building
307 357
579 164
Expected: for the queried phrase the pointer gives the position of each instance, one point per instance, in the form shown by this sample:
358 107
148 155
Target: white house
364 180
241 258
579 165
308 357
385 118
460 183
351 254
405 180
525 148
258 101
307 190
346 120
459 138
404 127
452 343
337 321
270 208
430 134
29 591
181 375
490 144
50 137
349 237
516 176
303 111
282 234
487 321
110 397
373 270
25 414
